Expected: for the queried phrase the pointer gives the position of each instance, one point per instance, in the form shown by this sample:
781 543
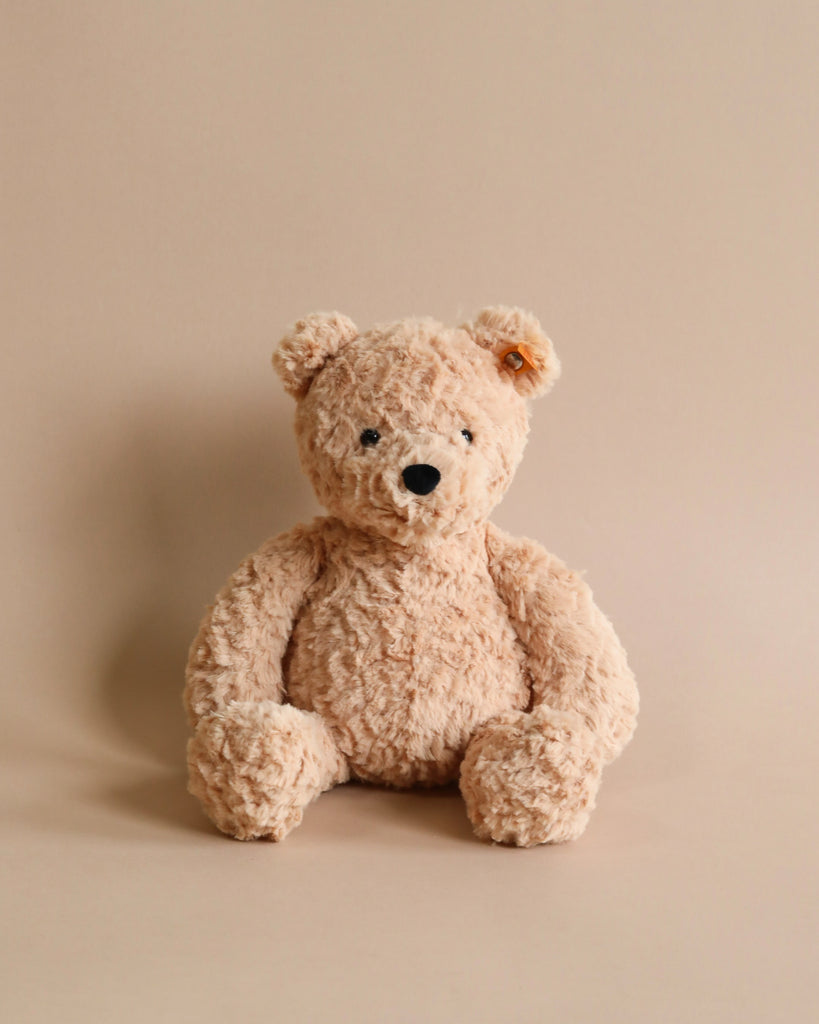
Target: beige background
182 180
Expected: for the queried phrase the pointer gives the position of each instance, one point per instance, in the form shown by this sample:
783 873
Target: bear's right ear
307 347
525 355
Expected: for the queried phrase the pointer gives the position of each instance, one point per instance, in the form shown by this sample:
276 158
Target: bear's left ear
307 347
523 351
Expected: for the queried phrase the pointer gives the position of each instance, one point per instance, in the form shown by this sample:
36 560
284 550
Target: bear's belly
404 684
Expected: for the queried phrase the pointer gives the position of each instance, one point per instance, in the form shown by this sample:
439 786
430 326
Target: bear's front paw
530 778
256 765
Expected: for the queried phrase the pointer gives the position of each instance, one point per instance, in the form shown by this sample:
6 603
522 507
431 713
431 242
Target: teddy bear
403 639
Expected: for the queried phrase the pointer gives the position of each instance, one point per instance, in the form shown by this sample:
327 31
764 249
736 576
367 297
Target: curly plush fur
404 639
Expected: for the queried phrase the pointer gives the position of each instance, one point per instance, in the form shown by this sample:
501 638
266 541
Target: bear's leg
531 778
256 765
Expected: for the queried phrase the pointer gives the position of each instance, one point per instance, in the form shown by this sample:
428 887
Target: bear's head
414 430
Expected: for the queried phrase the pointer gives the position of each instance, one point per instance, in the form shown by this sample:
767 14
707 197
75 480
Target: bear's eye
468 435
369 437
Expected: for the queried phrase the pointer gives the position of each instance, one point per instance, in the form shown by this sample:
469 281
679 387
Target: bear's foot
256 765
530 778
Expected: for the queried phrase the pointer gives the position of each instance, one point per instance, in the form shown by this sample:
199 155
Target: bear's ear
306 348
523 351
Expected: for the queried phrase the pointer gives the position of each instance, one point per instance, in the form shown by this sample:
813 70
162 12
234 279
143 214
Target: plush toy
404 639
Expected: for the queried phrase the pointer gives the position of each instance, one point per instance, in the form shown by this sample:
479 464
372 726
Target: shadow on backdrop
201 494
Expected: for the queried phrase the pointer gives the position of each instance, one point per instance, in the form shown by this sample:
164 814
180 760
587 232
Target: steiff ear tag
518 358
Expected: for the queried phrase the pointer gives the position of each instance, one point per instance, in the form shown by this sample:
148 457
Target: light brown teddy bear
404 639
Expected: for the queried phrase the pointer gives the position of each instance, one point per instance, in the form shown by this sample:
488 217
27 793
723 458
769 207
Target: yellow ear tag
518 358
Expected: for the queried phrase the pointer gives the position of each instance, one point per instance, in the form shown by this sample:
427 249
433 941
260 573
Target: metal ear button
518 359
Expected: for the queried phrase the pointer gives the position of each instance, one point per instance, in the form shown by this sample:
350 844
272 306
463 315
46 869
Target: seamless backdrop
182 180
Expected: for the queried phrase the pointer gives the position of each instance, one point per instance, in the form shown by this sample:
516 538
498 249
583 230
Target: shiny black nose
421 479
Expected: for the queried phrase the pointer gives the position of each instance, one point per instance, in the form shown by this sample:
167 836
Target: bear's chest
404 658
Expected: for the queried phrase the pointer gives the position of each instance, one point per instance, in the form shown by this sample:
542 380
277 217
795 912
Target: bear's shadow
206 487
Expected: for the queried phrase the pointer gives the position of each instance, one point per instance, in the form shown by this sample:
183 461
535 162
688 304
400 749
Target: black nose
421 479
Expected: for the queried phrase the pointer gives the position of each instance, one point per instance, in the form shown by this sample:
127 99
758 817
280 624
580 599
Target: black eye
369 437
467 434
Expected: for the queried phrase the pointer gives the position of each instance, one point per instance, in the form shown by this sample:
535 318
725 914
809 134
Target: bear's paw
255 766
531 778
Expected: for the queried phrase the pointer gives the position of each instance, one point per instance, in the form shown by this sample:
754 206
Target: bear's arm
574 657
237 654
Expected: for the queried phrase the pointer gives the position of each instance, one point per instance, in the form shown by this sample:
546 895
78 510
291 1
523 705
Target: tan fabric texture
404 639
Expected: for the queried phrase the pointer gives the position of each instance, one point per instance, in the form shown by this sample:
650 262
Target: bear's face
412 431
